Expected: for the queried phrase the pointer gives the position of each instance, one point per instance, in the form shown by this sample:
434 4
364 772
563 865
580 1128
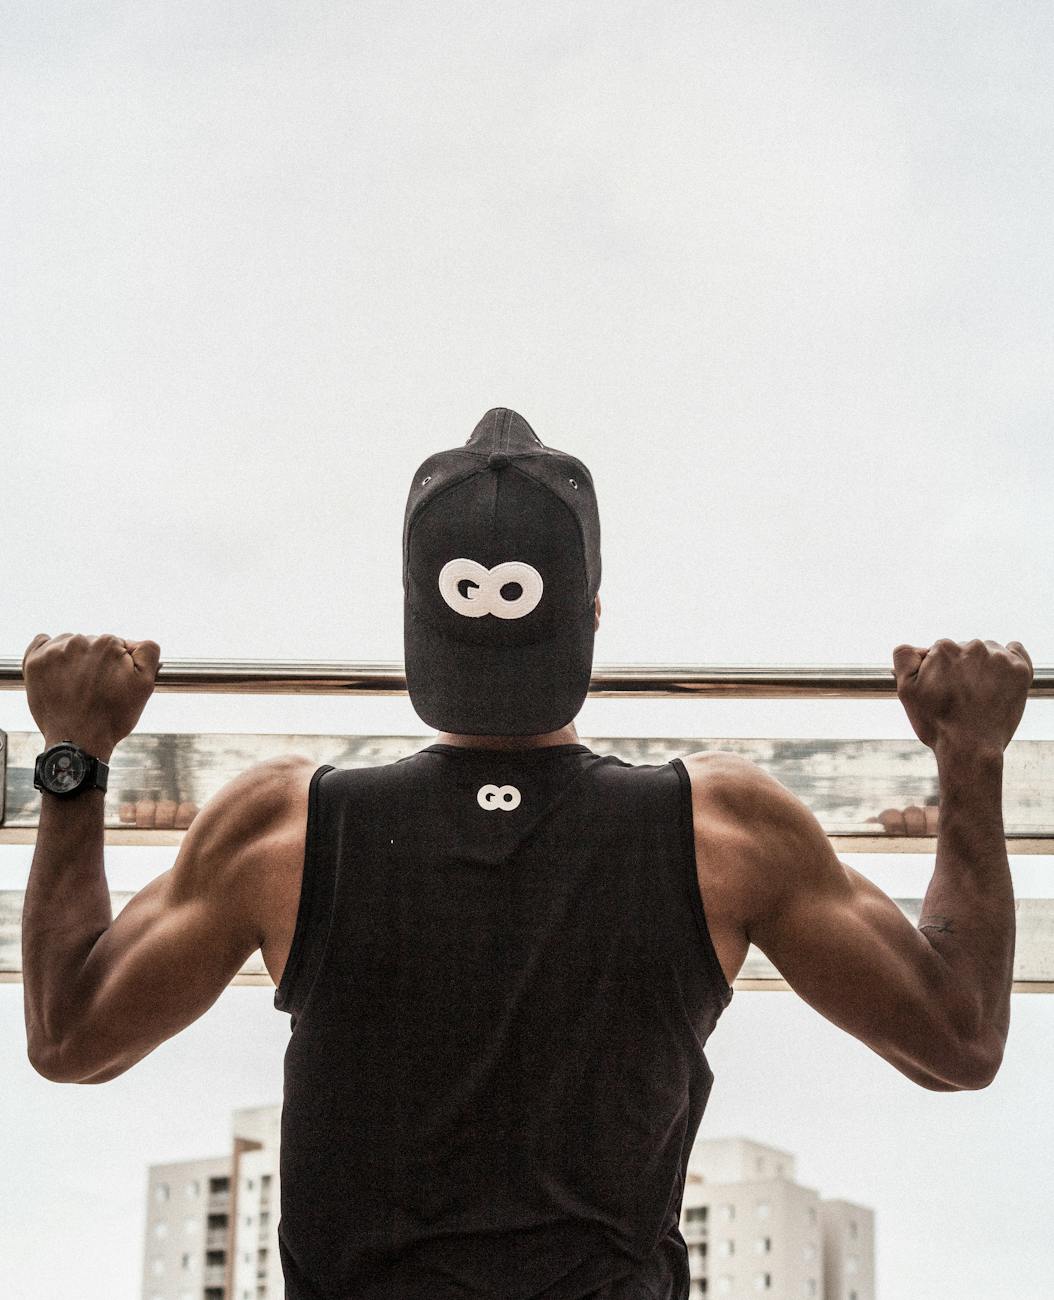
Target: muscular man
502 955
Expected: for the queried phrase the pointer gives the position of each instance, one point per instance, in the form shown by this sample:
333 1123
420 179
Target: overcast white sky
779 272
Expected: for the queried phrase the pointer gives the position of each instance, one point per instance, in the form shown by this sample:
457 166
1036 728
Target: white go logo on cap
484 596
498 796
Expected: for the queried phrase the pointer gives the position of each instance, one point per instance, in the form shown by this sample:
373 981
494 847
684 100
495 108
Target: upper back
501 978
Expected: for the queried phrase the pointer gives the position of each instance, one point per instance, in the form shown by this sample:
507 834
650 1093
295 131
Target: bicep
843 945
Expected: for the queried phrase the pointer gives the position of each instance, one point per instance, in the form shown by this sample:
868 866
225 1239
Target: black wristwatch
66 770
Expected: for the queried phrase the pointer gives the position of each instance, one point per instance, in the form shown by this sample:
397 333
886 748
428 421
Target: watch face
64 770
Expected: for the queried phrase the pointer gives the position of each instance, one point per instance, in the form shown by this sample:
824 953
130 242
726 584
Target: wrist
976 755
96 747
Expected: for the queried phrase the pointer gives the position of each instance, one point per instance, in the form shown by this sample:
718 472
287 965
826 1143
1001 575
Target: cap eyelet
427 479
573 484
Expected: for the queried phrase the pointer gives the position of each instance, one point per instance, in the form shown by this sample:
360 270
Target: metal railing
858 789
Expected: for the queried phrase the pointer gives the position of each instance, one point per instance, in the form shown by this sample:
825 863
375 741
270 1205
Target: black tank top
500 986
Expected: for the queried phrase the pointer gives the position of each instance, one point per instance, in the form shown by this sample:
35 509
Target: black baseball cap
501 564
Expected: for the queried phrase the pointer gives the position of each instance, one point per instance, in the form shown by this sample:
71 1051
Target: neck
565 736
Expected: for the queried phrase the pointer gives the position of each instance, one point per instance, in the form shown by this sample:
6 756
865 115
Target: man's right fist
964 693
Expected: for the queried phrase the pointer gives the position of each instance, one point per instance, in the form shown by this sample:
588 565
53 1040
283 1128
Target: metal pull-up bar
334 677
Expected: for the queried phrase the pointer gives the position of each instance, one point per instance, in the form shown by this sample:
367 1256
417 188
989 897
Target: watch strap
98 775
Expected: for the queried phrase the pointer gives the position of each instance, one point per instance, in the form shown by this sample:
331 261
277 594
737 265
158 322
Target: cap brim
497 691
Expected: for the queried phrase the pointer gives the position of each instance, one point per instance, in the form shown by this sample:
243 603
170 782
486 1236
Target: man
502 955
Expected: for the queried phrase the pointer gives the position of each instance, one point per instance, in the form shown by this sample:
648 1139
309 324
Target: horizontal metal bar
1033 952
327 677
152 837
854 787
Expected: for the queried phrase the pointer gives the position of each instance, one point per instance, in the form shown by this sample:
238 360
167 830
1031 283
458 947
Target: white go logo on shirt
484 596
498 796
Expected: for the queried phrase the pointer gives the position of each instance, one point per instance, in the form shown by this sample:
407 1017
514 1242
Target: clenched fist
88 689
964 693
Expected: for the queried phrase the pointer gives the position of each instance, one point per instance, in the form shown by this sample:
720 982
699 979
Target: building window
850 1265
852 1229
696 1214
810 1286
185 1263
764 1209
852 1295
158 1265
217 1185
762 1281
812 1213
726 1247
160 1229
193 1188
724 1284
190 1225
161 1193
808 1252
726 1211
759 1163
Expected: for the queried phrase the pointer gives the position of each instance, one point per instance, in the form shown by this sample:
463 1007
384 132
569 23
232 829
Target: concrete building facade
751 1230
212 1225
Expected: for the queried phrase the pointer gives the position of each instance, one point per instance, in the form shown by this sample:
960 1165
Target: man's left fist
88 689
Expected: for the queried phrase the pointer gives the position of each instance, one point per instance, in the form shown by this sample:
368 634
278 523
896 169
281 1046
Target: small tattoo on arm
932 921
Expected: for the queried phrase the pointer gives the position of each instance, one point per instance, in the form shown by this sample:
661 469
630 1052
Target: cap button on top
497 460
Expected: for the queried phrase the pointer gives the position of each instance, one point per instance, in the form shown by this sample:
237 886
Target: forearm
67 907
968 911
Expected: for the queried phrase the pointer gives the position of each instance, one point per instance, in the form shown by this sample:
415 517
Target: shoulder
258 801
753 834
740 790
250 823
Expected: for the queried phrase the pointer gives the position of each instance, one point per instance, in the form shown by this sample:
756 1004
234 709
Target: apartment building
212 1225
752 1231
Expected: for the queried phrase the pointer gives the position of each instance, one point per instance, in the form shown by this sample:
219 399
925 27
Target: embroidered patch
473 590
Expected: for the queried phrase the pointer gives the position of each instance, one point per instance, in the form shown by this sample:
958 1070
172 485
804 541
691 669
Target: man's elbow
49 1064
57 1067
974 1068
981 1070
